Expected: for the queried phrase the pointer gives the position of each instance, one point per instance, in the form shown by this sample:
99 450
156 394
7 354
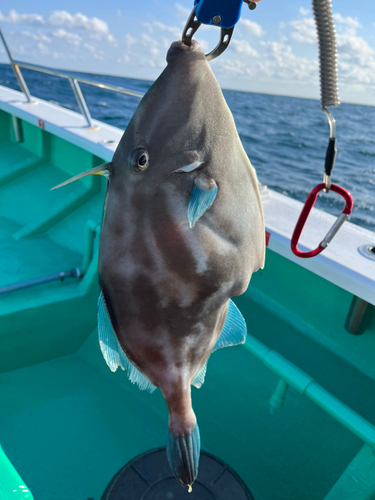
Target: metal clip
327 182
305 213
192 26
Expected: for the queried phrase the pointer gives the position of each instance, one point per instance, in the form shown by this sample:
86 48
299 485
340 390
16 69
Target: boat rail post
17 71
81 101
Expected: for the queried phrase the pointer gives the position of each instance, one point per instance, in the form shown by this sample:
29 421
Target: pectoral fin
202 197
112 351
234 330
100 170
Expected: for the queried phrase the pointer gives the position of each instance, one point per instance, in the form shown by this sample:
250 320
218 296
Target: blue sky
273 50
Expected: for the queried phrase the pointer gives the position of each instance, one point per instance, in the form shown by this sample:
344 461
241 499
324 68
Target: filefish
182 233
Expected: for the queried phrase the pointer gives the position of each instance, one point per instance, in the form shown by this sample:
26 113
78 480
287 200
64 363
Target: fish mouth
179 49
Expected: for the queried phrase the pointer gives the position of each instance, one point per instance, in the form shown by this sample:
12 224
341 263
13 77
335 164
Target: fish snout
178 50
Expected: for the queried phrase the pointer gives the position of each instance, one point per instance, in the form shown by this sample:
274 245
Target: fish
182 232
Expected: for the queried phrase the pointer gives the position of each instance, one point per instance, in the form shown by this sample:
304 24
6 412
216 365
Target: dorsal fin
100 170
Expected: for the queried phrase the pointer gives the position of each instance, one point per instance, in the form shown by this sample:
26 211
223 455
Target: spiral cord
327 52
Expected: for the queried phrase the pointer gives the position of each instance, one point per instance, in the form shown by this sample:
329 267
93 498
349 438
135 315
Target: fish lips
178 50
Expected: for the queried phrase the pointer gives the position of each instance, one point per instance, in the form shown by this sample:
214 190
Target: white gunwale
341 263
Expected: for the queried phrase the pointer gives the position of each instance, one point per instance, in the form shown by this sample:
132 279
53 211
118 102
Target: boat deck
43 232
68 425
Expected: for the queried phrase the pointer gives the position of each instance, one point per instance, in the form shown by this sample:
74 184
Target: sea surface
284 137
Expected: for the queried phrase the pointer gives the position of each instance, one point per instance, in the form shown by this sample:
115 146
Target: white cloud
89 47
14 17
243 47
99 55
356 61
285 65
354 46
251 27
182 11
349 21
71 38
304 30
130 40
154 51
176 32
146 40
276 63
111 39
148 26
205 45
20 50
43 48
303 11
38 36
232 67
65 19
60 18
124 59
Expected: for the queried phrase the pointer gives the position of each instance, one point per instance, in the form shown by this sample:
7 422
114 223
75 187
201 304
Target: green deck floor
69 425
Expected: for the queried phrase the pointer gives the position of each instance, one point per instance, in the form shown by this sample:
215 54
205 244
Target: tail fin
183 456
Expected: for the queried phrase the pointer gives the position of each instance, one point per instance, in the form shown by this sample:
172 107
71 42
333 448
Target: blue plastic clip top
223 13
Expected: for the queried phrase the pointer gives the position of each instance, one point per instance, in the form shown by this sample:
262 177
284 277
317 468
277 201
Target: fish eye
138 160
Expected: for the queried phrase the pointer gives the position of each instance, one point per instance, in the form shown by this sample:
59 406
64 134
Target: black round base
148 477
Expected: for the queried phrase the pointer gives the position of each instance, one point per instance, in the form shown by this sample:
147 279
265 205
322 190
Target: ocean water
284 137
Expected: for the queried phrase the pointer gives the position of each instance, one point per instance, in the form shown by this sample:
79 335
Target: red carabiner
305 213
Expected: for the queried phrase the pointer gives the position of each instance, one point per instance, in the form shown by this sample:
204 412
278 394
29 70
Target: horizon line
151 81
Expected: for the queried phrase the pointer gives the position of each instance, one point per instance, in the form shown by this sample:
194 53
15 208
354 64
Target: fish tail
183 455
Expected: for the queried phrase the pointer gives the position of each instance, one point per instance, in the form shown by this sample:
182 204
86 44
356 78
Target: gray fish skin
166 285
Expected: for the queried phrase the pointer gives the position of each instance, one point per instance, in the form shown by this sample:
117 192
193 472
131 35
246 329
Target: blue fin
183 456
199 379
233 333
112 351
234 330
203 195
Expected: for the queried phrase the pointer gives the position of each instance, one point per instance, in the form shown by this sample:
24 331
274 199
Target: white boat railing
73 80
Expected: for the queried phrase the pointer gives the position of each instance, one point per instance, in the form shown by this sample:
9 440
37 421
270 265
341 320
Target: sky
273 50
